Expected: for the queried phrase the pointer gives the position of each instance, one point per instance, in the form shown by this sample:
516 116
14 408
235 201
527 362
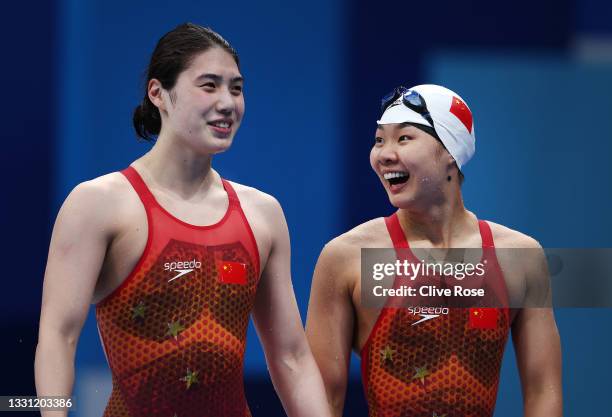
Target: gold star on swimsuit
138 311
174 328
387 354
190 379
420 374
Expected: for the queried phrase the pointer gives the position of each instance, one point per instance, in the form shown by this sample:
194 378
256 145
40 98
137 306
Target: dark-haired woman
177 258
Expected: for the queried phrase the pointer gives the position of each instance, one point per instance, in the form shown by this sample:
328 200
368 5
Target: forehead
213 61
395 128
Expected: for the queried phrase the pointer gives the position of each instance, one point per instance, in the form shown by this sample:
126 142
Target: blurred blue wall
315 72
27 114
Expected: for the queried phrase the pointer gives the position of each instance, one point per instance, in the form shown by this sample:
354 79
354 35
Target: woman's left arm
536 341
293 370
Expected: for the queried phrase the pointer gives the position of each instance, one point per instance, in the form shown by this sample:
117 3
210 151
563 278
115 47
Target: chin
219 149
395 200
214 146
400 201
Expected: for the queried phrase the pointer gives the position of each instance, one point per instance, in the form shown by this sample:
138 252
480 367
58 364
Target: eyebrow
217 78
401 125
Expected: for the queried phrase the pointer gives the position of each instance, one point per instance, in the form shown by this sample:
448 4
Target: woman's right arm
331 321
81 234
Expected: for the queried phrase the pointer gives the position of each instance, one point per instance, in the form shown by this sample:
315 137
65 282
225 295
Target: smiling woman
168 61
177 258
412 364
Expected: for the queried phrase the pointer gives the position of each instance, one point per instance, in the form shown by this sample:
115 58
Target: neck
173 166
439 223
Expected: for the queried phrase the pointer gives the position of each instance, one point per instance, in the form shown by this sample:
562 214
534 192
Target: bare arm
76 253
292 367
329 327
538 349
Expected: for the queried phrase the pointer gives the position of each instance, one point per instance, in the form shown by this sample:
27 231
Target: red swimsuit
415 365
174 332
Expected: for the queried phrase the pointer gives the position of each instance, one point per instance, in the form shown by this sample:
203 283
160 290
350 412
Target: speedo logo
181 267
427 313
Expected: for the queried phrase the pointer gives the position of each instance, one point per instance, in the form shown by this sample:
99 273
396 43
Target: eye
208 86
237 89
404 137
378 140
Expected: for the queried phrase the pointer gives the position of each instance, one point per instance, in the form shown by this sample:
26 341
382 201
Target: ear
154 91
451 164
451 160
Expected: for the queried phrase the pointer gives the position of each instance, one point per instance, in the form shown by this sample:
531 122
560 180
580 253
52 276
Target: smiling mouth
221 124
398 177
221 128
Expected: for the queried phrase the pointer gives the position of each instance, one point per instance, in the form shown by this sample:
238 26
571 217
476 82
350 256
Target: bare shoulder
256 199
371 234
347 247
506 237
107 189
99 201
266 218
107 184
525 261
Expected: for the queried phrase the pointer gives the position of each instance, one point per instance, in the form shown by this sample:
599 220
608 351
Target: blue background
538 78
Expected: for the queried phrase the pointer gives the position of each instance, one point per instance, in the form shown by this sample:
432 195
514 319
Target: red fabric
174 332
483 318
232 272
463 113
439 366
395 232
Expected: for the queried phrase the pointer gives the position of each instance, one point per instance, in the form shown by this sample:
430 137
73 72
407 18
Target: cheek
438 160
189 106
418 158
373 157
239 106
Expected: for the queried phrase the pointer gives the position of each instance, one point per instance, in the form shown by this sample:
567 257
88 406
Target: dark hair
173 53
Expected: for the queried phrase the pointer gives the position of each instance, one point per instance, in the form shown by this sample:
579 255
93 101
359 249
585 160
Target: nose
225 102
387 155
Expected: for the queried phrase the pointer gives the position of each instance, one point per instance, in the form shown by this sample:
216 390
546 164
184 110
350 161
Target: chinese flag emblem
231 272
483 318
463 113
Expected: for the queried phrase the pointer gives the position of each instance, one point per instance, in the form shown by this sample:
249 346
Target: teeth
390 175
221 124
